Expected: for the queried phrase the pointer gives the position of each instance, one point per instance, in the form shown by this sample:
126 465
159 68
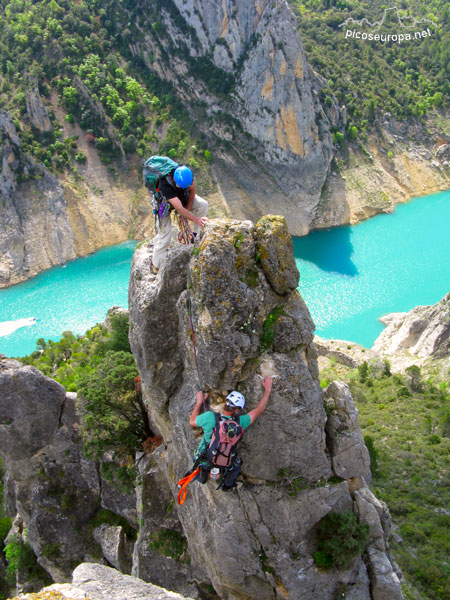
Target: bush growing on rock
340 538
113 418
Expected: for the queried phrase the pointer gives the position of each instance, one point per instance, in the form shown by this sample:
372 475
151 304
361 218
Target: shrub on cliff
114 420
340 538
400 416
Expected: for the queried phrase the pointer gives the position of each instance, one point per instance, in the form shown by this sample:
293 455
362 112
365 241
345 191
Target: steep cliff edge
240 69
424 331
419 337
248 320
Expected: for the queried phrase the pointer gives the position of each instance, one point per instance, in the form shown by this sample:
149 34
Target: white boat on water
8 327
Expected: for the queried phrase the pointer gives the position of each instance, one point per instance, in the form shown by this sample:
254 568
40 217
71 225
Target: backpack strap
213 446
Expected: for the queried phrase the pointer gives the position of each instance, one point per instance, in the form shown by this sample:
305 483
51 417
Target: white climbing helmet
236 399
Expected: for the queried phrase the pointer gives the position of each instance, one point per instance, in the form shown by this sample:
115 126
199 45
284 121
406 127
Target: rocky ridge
249 320
418 337
424 331
97 582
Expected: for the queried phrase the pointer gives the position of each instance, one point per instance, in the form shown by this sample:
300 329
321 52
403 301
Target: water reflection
328 249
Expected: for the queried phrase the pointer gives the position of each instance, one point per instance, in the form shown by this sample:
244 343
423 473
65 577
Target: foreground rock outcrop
249 320
97 582
52 490
57 496
303 459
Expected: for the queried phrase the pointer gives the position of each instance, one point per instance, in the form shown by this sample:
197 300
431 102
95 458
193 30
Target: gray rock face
56 490
271 108
248 321
115 546
424 331
157 515
442 150
97 582
349 454
36 110
103 583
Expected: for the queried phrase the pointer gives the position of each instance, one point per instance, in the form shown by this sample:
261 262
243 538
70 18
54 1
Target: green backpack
155 168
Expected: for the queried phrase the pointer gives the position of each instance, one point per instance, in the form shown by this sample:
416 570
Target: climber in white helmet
221 433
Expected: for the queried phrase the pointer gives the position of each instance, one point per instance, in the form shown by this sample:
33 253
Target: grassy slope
408 421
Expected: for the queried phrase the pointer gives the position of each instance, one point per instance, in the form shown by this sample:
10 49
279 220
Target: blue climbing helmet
183 177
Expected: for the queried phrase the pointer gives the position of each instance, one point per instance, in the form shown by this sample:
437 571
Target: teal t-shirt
207 421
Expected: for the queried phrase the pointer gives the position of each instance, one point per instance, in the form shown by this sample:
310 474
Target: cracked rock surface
248 320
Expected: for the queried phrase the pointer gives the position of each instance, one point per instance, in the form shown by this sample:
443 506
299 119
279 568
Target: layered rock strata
424 331
247 320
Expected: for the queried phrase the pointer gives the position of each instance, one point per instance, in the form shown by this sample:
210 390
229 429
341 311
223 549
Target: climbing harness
183 483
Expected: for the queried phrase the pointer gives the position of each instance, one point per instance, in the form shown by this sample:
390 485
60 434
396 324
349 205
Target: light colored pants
163 237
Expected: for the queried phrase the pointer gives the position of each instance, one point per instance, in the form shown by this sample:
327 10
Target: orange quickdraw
182 484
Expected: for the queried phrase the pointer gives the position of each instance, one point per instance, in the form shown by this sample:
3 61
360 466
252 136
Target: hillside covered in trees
409 79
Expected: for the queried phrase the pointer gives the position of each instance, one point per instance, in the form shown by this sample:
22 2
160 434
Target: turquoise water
351 276
70 298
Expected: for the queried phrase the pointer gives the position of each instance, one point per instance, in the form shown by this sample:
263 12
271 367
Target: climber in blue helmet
178 190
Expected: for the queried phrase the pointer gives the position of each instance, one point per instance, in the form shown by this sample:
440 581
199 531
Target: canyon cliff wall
240 69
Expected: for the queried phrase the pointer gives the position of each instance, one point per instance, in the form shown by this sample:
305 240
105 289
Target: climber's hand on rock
267 383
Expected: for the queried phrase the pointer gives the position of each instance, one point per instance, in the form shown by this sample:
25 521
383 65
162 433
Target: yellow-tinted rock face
291 130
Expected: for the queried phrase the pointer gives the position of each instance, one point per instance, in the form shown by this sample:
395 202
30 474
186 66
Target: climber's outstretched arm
258 411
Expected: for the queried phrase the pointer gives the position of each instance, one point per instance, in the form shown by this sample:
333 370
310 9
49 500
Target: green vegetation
78 56
294 483
20 556
100 367
5 526
340 538
407 80
169 542
268 329
405 422
106 517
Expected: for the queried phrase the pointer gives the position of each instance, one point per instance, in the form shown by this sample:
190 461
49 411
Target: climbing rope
194 345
